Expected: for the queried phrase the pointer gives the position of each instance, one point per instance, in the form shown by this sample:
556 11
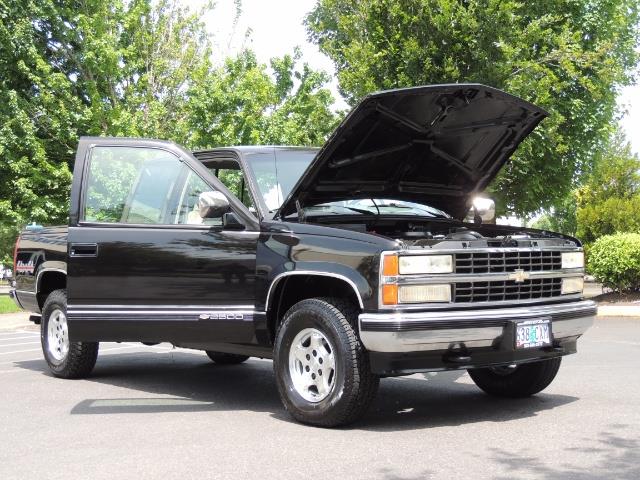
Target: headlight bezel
393 268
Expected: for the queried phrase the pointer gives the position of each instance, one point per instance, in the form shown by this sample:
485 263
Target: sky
276 28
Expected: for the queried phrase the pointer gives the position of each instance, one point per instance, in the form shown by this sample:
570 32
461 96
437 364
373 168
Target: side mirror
482 211
212 204
231 222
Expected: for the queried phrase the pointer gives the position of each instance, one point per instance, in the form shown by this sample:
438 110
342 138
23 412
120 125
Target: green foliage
69 69
562 218
130 68
609 202
613 215
566 56
241 104
7 305
38 118
614 260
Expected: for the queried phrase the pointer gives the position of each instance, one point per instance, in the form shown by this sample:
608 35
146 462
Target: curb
619 311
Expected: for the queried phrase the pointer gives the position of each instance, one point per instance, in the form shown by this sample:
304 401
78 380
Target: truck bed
39 251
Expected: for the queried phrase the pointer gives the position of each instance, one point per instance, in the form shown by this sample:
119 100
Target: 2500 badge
223 316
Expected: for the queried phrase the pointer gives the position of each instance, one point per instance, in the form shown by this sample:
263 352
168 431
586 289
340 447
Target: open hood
438 145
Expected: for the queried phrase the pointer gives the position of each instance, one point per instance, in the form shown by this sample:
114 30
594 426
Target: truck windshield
277 174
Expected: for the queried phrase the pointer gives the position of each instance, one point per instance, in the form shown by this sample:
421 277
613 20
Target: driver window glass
130 185
137 185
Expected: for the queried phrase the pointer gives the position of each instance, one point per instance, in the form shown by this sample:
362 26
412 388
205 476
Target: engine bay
448 233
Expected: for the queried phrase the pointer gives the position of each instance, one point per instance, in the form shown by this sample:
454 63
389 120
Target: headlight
573 260
412 264
424 293
572 285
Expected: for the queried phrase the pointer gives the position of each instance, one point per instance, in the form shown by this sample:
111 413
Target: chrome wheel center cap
312 365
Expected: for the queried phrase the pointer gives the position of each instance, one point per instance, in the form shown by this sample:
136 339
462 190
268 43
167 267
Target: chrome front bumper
441 330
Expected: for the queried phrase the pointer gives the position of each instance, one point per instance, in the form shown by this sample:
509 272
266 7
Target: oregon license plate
533 333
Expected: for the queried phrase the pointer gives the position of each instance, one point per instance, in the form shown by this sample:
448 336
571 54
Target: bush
614 260
610 216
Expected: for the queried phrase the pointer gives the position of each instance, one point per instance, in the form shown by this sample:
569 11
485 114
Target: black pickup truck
343 264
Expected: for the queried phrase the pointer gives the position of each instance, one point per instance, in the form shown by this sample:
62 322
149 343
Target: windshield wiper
360 210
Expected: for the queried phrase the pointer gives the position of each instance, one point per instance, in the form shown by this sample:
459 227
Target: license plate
533 333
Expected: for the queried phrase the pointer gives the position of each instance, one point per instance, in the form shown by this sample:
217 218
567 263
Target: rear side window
138 185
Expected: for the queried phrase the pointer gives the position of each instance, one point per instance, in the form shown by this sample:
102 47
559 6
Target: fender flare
282 275
44 270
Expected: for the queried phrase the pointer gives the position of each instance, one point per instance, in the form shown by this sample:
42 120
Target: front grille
507 262
498 291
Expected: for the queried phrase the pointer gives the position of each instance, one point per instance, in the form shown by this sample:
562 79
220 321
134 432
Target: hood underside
437 145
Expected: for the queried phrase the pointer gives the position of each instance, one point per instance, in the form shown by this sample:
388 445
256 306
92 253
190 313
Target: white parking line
108 349
18 332
155 347
32 359
10 339
2 345
21 351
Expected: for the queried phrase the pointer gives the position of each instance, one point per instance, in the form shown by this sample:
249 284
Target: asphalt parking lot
152 412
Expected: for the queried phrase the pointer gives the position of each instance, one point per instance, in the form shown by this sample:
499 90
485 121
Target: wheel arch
283 292
48 280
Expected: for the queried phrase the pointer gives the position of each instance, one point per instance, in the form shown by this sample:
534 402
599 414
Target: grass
7 305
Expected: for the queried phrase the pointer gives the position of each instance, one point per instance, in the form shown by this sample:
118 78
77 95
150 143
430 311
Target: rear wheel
516 381
321 368
226 358
66 359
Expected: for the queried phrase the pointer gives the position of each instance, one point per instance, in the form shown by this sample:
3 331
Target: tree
39 114
240 103
609 202
562 218
130 68
566 56
70 68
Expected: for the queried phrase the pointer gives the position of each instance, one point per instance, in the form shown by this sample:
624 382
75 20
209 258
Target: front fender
352 261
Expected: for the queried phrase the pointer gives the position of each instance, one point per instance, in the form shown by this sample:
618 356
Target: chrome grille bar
505 261
507 290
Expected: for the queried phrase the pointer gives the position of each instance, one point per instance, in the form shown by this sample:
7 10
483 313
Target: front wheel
321 368
516 381
66 359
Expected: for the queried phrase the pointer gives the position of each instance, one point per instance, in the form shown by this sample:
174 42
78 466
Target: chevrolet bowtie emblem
519 275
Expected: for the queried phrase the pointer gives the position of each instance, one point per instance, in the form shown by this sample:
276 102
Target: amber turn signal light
390 265
389 294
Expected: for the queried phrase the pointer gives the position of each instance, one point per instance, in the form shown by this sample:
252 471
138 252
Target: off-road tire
81 357
221 358
526 379
354 385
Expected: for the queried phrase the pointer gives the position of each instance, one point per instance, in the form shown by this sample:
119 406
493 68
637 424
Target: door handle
83 250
